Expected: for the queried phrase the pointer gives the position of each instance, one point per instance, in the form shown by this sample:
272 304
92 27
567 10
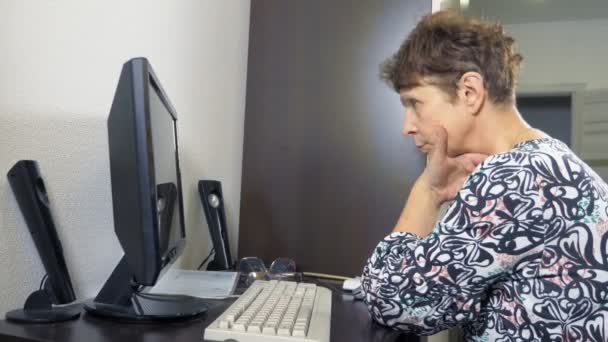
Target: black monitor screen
164 146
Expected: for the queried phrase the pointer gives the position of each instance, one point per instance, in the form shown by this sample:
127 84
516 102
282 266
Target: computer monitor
147 200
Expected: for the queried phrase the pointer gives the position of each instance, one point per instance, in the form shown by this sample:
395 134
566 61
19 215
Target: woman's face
427 106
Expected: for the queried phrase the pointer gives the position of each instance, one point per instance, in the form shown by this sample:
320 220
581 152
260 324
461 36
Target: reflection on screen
165 168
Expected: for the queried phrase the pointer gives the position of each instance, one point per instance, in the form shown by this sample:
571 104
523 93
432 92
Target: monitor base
147 307
38 308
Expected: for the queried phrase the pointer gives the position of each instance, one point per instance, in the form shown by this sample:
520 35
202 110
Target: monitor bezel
142 84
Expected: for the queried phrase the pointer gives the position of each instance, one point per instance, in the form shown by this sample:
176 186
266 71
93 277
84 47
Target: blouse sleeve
425 285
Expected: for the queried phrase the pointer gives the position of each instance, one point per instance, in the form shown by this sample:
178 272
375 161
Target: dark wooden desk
349 322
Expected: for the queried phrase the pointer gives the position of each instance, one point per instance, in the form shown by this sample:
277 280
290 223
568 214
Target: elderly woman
522 251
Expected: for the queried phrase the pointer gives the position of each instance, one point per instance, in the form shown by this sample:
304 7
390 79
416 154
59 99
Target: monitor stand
120 299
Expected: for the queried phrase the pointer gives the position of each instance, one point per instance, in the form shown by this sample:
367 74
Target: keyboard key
284 331
286 325
269 330
255 328
299 332
238 326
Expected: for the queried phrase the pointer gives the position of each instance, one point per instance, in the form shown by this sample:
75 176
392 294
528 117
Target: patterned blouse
520 255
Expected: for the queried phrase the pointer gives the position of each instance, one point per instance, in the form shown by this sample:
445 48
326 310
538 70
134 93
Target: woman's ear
472 91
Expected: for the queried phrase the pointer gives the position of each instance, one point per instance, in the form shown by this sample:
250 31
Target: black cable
321 282
206 259
43 281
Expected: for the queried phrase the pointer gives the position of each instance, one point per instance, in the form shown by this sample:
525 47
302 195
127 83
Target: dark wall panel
551 114
325 169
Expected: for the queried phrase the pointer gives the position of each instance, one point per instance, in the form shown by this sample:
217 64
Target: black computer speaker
213 205
30 193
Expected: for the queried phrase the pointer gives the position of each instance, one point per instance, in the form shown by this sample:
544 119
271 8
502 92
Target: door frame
576 92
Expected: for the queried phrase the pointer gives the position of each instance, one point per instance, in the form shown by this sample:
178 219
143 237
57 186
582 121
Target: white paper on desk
202 284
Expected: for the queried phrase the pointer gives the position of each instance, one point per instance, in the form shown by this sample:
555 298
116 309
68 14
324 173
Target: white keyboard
275 311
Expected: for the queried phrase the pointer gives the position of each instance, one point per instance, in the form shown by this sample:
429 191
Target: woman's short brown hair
445 45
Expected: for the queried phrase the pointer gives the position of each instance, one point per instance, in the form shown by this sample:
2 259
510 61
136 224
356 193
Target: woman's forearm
420 212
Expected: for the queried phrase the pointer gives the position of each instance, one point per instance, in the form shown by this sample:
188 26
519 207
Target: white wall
563 52
532 11
58 71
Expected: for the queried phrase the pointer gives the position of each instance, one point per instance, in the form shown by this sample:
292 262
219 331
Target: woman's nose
409 128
